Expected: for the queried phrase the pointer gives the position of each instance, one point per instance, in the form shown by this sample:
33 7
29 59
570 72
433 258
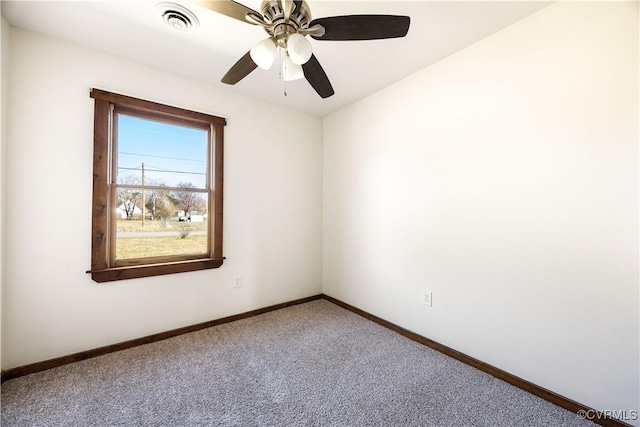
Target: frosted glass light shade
299 49
264 53
291 71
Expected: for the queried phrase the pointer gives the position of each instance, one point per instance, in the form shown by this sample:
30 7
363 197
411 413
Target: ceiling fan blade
240 70
362 27
317 78
229 8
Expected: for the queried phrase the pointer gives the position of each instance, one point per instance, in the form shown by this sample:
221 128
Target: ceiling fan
288 22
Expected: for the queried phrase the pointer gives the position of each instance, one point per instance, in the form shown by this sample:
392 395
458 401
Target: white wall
504 179
272 223
4 85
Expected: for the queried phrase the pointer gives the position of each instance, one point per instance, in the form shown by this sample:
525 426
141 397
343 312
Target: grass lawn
142 247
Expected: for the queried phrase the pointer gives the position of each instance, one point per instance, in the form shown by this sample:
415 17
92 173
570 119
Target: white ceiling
134 30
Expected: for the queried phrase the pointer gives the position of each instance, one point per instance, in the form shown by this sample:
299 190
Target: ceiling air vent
177 17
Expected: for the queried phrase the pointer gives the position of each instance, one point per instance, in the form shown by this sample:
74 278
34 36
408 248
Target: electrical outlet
237 283
426 298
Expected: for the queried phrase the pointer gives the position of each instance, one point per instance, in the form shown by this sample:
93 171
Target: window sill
138 271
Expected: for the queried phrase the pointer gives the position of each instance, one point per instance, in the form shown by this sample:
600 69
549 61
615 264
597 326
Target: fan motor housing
272 12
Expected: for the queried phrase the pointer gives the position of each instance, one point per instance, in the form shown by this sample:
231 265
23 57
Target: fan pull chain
284 65
283 69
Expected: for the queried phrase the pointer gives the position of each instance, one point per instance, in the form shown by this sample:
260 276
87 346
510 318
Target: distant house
194 216
122 211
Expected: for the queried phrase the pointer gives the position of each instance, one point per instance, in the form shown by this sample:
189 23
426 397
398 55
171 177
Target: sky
171 154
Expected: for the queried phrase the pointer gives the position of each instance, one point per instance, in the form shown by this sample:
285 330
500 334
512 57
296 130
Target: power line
162 157
162 170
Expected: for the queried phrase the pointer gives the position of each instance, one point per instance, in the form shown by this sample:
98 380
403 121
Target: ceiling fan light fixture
264 53
291 71
299 49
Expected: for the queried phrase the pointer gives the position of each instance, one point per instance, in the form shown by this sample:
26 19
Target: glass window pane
162 153
170 223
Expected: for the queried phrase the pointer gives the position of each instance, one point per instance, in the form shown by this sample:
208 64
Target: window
157 189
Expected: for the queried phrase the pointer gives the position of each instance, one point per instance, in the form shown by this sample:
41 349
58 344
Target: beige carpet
314 364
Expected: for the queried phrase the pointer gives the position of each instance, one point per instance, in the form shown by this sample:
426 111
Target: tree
129 198
188 201
158 203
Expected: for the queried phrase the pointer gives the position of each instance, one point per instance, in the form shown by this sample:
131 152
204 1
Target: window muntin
151 163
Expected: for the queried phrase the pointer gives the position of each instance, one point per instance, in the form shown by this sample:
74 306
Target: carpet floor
314 364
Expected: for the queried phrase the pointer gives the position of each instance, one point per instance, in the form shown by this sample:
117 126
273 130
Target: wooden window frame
102 232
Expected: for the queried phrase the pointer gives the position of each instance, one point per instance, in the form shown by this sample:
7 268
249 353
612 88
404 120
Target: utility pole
143 195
